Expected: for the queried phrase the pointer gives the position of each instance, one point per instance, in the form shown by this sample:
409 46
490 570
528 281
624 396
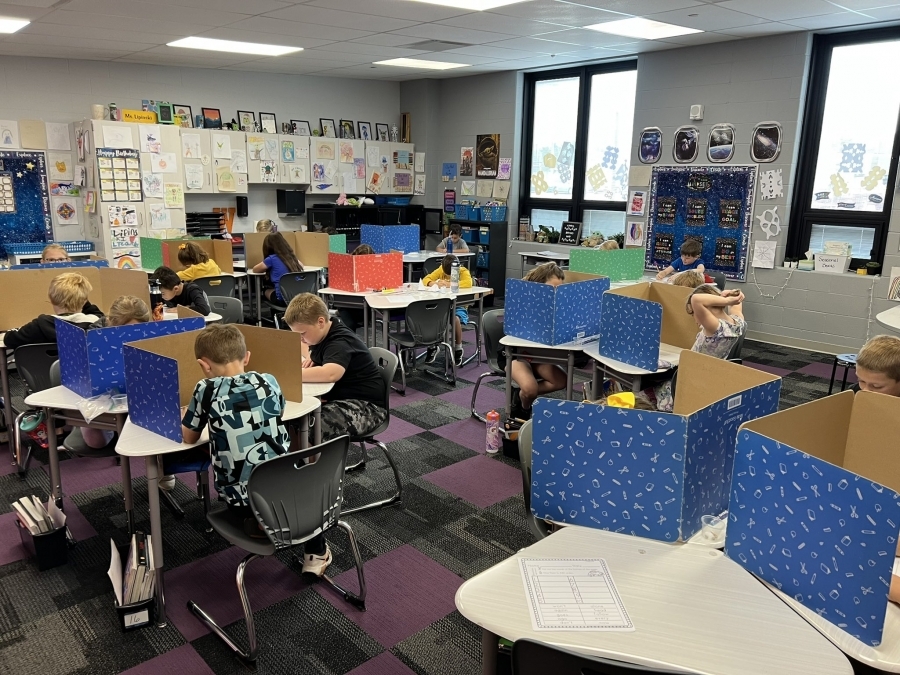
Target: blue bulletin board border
680 183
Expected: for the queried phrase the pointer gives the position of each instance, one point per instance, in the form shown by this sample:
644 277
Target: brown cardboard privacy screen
277 352
678 327
572 277
311 248
873 441
253 242
25 291
186 312
703 380
640 291
217 249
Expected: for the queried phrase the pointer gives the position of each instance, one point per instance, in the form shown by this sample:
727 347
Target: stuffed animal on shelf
592 241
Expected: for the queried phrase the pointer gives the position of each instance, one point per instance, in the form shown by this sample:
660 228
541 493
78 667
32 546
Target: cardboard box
154 367
91 362
650 474
359 273
635 319
836 264
617 265
384 239
311 248
25 291
158 252
815 509
553 316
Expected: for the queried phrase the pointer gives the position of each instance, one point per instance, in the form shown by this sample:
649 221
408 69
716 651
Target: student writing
278 259
454 243
177 292
196 262
689 260
441 278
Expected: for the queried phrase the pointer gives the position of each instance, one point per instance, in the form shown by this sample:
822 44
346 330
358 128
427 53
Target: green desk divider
621 265
337 243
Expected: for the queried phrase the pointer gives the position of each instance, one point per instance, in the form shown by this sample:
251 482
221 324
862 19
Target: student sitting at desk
177 292
441 278
54 253
196 262
689 260
68 294
278 259
878 366
689 279
354 318
453 243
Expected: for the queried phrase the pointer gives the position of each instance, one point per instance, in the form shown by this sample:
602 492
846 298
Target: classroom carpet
462 512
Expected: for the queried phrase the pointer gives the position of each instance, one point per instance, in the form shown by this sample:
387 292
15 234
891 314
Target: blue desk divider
814 510
68 263
645 473
384 239
91 362
631 329
553 316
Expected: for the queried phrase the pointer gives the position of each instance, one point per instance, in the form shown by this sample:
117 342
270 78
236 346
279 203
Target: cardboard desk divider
153 366
360 273
337 243
387 238
635 319
91 361
555 315
58 265
311 248
158 252
815 509
646 473
618 265
29 289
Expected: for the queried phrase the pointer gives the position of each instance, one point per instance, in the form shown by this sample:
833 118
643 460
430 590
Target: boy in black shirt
356 404
177 292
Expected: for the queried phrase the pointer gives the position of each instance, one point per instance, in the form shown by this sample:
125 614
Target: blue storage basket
484 236
392 201
468 235
37 247
473 213
483 259
493 213
461 211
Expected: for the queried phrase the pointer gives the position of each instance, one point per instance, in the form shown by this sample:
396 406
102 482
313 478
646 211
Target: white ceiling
341 38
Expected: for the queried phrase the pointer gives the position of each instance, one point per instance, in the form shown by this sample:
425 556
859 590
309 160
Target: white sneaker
167 483
316 564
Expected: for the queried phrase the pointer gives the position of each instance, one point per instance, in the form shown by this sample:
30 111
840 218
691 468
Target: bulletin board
24 199
712 204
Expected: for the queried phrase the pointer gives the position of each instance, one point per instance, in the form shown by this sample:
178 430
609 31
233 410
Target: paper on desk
550 253
572 594
115 571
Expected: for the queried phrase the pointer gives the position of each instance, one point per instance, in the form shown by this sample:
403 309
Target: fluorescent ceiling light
421 63
12 25
644 29
234 47
474 5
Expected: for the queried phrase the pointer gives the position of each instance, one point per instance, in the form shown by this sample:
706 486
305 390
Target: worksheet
572 594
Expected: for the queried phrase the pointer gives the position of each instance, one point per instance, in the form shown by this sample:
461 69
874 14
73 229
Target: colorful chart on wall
711 204
24 199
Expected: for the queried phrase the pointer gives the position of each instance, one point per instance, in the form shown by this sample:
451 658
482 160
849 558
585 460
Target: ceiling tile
561 13
889 13
500 23
780 10
32 3
587 38
707 18
262 24
229 33
536 46
835 20
140 11
375 51
386 40
336 57
239 6
10 49
74 42
433 31
333 17
760 29
176 29
697 39
91 33
640 7
490 50
31 11
398 9
862 5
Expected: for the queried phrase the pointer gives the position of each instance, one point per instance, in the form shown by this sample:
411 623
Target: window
849 147
578 133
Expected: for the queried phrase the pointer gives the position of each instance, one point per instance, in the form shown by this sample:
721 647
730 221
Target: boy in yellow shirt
441 278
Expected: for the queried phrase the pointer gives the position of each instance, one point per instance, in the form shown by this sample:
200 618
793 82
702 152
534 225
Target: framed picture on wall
347 129
246 120
184 117
212 118
166 113
301 128
365 131
267 123
381 132
327 127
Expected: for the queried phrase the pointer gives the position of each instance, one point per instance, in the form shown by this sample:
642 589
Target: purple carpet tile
81 474
772 370
824 370
488 398
11 548
481 480
412 395
383 664
468 433
210 582
407 591
183 660
398 429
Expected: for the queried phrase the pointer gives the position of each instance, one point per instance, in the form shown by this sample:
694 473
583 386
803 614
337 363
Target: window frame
577 204
802 215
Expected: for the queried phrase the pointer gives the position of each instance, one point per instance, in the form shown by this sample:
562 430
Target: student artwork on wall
301 128
687 144
327 127
466 166
894 287
765 146
650 145
381 132
721 143
713 204
9 134
634 233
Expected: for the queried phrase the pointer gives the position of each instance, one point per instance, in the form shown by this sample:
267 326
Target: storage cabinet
347 219
490 263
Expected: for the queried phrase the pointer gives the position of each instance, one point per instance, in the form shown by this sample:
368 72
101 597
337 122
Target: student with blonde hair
125 311
265 225
689 279
54 253
878 366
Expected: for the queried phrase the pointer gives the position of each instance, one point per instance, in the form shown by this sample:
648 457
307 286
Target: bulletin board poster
711 204
24 199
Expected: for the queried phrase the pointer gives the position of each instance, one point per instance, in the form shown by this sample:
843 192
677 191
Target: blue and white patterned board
820 533
90 362
528 311
577 310
68 263
552 316
154 401
630 330
384 239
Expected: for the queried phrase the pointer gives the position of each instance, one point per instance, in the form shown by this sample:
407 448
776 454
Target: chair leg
393 499
169 500
250 655
361 464
358 600
400 354
475 412
844 379
203 482
833 373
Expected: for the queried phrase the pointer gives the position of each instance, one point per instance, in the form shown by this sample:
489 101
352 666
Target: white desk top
667 352
59 398
402 299
511 341
549 255
328 290
209 318
693 609
889 318
422 256
317 388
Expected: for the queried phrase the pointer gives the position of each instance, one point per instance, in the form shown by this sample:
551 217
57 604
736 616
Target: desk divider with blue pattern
384 239
154 398
91 362
553 316
631 330
67 263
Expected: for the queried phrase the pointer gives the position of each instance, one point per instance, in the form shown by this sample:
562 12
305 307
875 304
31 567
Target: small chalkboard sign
570 234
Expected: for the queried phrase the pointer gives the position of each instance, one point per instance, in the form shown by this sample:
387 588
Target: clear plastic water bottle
493 432
454 276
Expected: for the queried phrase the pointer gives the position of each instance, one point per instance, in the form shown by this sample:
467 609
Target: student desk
412 259
540 353
212 317
627 374
256 279
540 257
889 318
693 610
137 442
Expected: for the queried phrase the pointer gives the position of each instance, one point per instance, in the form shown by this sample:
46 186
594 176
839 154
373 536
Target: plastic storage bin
483 260
460 210
473 213
469 235
36 247
484 235
49 549
493 213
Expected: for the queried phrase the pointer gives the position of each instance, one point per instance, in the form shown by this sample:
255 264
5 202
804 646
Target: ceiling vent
435 45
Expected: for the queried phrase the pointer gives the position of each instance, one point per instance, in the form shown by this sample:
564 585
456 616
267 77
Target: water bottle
454 276
156 301
493 432
449 245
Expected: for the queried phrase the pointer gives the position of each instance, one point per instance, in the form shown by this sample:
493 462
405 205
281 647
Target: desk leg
366 323
7 407
126 479
317 430
521 266
152 464
570 375
636 383
385 321
489 644
510 354
304 432
409 273
53 454
596 381
257 280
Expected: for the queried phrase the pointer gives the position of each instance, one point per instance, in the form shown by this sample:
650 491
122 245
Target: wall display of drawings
712 204
24 199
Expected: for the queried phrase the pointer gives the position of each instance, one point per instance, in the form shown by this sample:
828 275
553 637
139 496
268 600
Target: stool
848 361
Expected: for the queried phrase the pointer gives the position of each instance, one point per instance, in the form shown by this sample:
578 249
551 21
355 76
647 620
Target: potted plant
873 268
620 239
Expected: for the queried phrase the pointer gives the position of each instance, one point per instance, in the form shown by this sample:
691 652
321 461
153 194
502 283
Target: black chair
536 658
431 264
293 502
231 309
427 322
492 331
734 354
33 363
292 284
387 363
222 286
718 279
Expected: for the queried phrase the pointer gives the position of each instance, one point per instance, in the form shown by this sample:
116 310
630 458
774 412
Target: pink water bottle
493 432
